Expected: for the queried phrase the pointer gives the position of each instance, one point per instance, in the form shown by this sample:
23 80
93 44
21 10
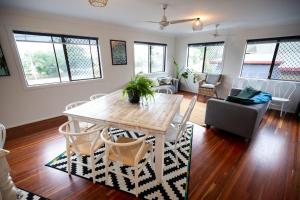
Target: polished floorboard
223 165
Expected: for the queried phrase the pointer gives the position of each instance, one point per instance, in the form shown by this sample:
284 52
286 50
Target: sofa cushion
206 85
165 81
212 78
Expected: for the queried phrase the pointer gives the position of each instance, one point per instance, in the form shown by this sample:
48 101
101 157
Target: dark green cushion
247 93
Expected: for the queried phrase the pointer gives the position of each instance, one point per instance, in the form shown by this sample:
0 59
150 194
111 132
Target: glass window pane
213 59
80 61
195 59
96 64
141 58
71 40
38 61
258 60
157 58
287 63
61 60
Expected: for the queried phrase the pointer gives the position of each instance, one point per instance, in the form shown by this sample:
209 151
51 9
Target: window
206 57
51 58
149 57
277 58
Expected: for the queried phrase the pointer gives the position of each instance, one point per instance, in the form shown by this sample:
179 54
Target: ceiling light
98 3
197 25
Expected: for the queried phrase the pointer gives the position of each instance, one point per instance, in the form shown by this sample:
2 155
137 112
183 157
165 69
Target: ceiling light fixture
98 3
197 25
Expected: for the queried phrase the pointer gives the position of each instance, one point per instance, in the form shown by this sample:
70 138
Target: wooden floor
223 166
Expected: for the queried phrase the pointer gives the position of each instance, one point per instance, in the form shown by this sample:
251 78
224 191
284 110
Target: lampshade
98 3
197 25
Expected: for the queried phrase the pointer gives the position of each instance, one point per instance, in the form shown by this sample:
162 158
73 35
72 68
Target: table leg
159 157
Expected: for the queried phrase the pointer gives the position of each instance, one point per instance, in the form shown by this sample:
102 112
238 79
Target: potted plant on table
139 86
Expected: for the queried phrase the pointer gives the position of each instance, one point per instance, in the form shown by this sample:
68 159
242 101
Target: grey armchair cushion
213 78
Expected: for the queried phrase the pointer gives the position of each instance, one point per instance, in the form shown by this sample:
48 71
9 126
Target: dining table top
115 110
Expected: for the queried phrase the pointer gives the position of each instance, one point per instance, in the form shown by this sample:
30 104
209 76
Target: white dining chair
129 152
83 143
97 96
177 130
82 125
281 94
178 117
162 89
2 136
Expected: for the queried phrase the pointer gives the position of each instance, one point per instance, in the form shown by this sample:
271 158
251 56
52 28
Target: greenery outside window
206 57
54 58
149 57
274 58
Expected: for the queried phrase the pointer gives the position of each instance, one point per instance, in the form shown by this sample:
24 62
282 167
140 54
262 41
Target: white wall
20 105
235 43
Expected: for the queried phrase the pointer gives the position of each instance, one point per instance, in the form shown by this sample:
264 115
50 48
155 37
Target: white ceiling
229 13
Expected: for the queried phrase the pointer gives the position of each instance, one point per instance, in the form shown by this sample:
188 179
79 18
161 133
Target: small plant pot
133 97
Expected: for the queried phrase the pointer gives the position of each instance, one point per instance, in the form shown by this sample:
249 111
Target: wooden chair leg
93 167
136 181
106 169
69 164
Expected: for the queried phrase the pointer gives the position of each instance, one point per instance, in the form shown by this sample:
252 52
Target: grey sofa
235 118
173 83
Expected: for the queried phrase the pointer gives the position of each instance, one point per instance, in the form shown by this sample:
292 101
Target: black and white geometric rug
25 195
174 186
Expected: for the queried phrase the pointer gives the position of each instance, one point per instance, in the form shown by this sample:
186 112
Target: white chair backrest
120 148
239 83
2 136
74 104
284 89
97 96
91 135
164 90
186 117
257 84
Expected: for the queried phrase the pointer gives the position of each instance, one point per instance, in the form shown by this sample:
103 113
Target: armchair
208 86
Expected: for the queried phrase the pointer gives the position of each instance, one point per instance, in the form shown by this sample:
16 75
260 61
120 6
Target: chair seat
84 145
127 154
177 118
279 99
206 85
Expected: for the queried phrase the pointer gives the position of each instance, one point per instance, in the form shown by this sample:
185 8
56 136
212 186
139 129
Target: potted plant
139 86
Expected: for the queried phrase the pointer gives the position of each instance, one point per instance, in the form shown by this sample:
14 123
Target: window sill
52 85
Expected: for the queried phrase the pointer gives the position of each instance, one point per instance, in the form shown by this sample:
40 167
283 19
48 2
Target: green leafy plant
180 73
139 86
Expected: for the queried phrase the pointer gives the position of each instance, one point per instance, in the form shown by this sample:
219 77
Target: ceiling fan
216 33
164 22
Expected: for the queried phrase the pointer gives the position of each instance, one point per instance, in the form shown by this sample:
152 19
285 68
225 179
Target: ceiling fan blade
152 22
181 21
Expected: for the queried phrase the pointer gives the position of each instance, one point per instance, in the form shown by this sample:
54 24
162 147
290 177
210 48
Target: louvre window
206 57
277 58
149 57
52 58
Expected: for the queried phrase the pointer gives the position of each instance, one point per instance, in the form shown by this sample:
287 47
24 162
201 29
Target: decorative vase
133 97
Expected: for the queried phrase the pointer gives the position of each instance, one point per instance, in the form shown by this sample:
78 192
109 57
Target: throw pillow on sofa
165 81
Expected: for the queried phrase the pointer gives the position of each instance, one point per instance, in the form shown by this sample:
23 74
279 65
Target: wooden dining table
114 110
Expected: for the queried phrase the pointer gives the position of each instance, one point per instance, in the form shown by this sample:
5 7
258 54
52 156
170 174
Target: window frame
62 36
205 44
150 44
276 40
